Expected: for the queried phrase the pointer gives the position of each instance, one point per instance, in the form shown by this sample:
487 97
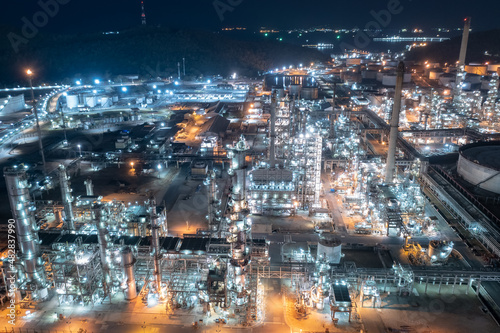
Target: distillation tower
29 265
239 227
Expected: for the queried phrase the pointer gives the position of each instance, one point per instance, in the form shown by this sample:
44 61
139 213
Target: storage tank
493 67
309 93
329 248
369 74
90 101
380 76
479 164
477 69
294 89
72 101
439 251
105 101
389 80
434 74
447 80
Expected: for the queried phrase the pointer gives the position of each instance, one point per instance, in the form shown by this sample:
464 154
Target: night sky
108 15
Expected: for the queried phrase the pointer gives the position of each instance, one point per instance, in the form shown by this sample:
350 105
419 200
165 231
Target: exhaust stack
465 41
393 135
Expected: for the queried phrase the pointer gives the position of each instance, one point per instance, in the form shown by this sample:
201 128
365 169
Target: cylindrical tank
369 74
90 101
479 164
106 101
439 251
309 93
128 262
477 69
72 101
294 89
330 249
434 74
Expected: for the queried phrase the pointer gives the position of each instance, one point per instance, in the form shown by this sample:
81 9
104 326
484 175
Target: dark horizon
77 16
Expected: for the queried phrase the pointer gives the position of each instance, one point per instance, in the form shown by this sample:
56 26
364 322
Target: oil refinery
310 199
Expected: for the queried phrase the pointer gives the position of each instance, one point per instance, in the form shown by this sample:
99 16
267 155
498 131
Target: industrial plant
298 201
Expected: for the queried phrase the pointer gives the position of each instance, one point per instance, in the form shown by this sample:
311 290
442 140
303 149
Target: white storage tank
493 67
479 164
106 102
72 101
90 101
329 248
439 251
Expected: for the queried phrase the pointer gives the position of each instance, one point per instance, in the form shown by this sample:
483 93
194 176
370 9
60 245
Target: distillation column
214 212
67 199
89 187
272 132
393 134
239 227
128 262
22 209
102 235
155 244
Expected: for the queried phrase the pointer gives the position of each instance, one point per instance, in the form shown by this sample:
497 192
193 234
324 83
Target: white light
78 82
154 87
124 89
176 83
97 81
209 81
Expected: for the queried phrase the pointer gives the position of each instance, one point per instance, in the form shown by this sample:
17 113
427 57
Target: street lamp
39 132
80 150
159 170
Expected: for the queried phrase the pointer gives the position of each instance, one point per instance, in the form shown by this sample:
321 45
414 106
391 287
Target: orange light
29 72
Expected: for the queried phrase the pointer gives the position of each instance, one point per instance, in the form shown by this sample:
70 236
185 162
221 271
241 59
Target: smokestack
465 41
393 135
272 134
67 198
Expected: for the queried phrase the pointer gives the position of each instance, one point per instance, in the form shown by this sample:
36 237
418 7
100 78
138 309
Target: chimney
465 41
393 135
